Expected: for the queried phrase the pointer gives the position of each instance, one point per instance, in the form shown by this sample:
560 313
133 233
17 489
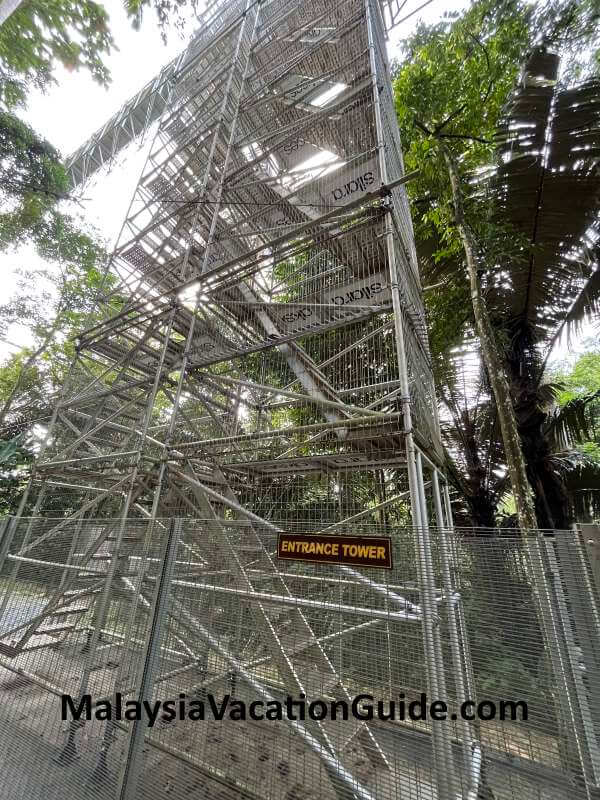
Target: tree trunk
493 362
552 503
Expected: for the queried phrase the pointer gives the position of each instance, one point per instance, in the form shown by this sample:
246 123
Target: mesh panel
198 608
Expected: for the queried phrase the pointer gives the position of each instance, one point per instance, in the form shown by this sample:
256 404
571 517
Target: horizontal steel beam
300 602
350 422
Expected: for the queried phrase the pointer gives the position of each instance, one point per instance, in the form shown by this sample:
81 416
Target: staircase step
52 630
125 538
94 576
9 650
104 664
37 641
97 577
83 591
108 656
74 609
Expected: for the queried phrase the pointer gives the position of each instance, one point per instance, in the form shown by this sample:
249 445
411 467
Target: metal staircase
259 363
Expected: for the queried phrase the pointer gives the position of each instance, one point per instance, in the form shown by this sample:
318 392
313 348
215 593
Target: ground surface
256 760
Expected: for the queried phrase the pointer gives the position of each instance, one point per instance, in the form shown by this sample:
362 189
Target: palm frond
569 424
585 307
547 188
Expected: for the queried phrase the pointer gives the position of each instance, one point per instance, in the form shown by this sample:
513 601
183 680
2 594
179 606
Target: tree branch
489 66
449 118
463 136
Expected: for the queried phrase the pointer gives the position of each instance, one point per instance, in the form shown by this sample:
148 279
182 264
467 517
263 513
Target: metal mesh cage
187 610
262 315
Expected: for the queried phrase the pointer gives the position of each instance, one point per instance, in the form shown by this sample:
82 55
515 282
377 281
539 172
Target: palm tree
537 210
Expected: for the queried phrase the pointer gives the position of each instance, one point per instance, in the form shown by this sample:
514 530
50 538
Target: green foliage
170 13
451 87
32 389
589 450
32 182
454 81
458 88
16 457
41 34
491 572
583 378
8 450
578 399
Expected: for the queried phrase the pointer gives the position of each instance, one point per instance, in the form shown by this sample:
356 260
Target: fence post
545 578
591 536
4 539
580 623
158 615
442 743
452 599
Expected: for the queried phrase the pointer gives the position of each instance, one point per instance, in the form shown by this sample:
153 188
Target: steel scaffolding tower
259 361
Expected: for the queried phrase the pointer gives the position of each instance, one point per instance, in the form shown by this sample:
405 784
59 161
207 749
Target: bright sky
73 109
76 107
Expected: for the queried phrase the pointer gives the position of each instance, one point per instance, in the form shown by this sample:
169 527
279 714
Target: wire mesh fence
202 617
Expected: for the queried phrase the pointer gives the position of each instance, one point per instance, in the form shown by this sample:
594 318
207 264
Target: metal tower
259 363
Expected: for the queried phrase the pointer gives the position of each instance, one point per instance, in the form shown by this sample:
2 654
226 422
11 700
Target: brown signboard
358 551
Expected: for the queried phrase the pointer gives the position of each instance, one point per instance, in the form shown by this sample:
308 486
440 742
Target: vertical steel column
395 289
190 335
431 626
4 542
160 608
442 749
452 601
590 536
462 628
567 593
572 748
474 757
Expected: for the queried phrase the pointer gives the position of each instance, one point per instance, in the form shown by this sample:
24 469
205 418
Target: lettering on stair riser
299 315
358 184
373 290
355 295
